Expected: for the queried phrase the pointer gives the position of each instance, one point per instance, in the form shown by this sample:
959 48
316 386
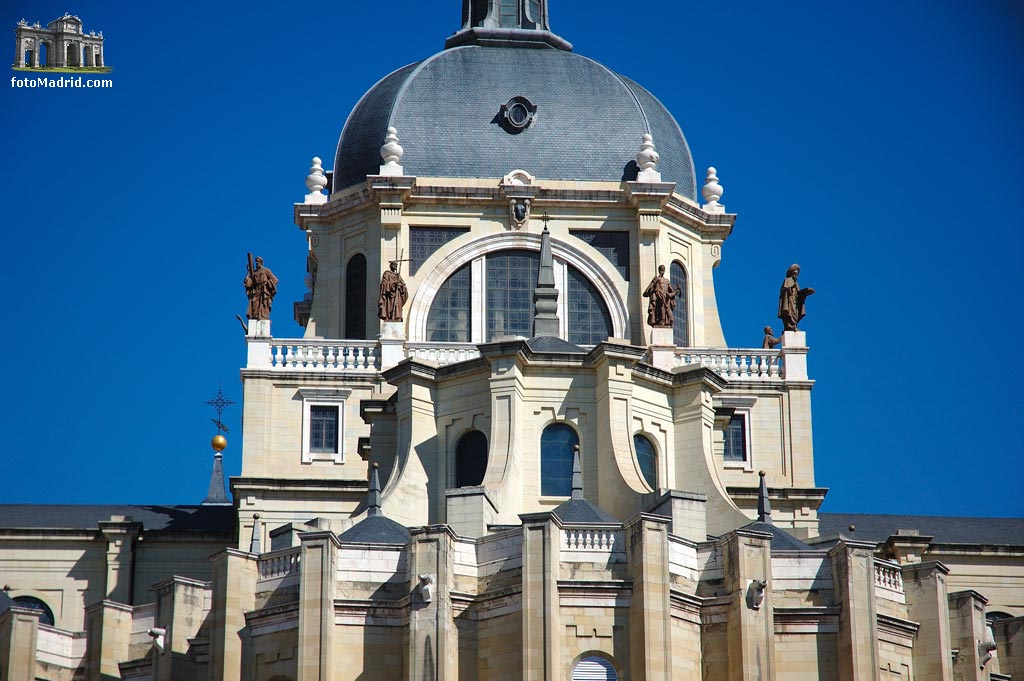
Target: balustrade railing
736 364
327 355
889 578
442 353
279 564
592 539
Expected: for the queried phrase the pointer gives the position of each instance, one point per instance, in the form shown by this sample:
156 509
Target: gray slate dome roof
588 124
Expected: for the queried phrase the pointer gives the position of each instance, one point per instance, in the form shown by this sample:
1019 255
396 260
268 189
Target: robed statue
261 287
770 342
662 300
393 295
792 299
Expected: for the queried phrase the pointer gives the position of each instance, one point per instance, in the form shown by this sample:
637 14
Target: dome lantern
506 23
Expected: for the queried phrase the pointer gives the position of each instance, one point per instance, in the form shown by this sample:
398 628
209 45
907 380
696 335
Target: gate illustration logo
61 46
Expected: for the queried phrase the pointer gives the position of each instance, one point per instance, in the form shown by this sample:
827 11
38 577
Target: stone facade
62 43
368 540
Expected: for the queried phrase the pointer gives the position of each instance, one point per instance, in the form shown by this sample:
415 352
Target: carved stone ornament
519 212
518 187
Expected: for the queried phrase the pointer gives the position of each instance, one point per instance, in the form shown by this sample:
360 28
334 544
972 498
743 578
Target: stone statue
261 287
770 342
663 301
792 299
393 295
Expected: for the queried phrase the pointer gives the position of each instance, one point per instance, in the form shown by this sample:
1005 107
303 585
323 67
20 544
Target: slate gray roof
87 517
553 344
943 529
588 125
376 529
781 540
582 511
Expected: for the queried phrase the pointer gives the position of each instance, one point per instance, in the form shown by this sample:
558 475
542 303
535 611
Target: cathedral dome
492 103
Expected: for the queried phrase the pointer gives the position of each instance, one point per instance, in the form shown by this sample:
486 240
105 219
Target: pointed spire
216 496
255 544
577 474
764 505
373 495
545 296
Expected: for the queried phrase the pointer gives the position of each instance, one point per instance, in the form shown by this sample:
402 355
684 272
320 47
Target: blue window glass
508 15
449 318
355 297
511 279
589 321
45 614
736 439
323 429
612 245
680 325
424 242
556 446
647 460
471 459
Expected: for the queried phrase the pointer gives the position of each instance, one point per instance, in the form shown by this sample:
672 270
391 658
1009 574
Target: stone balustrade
323 355
889 581
442 353
279 564
734 364
585 545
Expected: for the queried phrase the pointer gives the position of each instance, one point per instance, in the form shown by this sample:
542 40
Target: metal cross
220 403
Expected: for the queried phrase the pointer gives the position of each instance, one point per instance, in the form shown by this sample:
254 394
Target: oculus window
556 447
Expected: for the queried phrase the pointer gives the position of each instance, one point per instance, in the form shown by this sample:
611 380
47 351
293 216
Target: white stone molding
518 187
315 182
391 153
647 160
742 407
323 397
426 290
712 192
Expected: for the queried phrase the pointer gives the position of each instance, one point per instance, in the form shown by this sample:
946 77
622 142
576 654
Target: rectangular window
612 245
323 429
736 439
323 424
425 241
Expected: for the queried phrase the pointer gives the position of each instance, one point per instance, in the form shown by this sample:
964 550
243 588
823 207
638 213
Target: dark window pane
680 326
647 460
323 429
589 321
355 297
736 439
612 245
449 318
556 445
424 242
45 614
471 459
511 278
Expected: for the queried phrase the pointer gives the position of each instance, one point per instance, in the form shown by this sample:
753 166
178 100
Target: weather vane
220 403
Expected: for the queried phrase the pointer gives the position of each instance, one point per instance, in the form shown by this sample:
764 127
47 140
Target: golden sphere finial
219 443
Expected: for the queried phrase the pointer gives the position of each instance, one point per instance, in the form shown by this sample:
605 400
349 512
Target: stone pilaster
179 611
747 571
968 632
317 590
108 628
650 608
687 512
121 534
433 645
928 604
19 628
853 574
234 589
541 616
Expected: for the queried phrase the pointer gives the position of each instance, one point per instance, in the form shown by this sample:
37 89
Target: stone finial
712 191
646 160
392 153
764 505
577 474
315 182
255 544
373 493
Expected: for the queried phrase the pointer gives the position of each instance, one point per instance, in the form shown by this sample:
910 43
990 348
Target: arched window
449 318
470 459
355 297
511 279
647 459
556 445
45 614
589 321
681 326
594 668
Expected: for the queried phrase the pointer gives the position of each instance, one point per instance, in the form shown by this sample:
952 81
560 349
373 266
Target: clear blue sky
878 144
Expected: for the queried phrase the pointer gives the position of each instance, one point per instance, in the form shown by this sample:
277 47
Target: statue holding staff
261 287
393 294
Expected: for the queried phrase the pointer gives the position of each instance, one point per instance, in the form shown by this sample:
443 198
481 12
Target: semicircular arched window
680 324
589 320
471 459
556 446
647 459
33 603
594 668
355 297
